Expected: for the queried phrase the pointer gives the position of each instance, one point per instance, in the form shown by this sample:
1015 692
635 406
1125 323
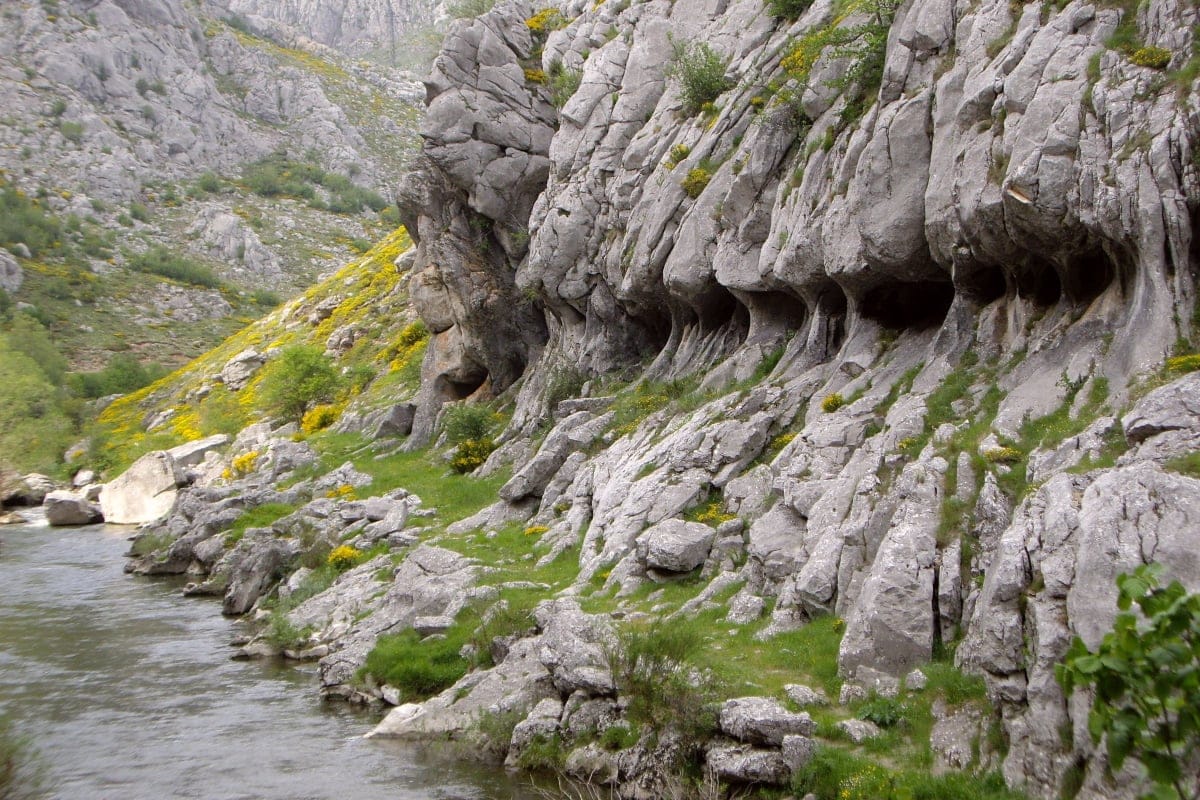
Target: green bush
652 666
420 668
788 9
1188 363
299 375
564 83
121 375
700 71
71 131
678 153
469 9
285 634
886 712
1146 678
465 421
158 260
23 221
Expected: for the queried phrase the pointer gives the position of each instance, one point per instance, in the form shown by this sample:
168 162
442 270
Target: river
128 692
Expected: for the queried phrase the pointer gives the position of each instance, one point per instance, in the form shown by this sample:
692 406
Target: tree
300 375
1146 678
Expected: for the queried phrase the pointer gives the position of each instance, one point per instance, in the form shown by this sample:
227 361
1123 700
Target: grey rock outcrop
675 545
143 493
761 720
64 508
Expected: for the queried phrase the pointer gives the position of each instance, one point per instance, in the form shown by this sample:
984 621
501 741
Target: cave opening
982 284
1037 280
915 305
1087 274
717 308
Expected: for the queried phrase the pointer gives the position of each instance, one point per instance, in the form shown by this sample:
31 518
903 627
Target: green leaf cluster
300 375
1146 678
700 71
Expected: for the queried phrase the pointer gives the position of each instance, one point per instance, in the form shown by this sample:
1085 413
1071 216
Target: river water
128 692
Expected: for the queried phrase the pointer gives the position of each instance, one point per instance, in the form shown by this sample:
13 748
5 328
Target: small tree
300 375
1146 678
700 71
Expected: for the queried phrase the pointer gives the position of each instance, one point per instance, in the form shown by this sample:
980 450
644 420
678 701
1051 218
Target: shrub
1003 455
469 9
159 260
209 182
652 668
678 153
536 530
23 221
1188 363
832 402
886 712
418 668
788 9
344 557
700 71
564 83
546 20
1152 57
244 464
319 418
471 454
299 375
71 131
535 75
282 633
696 181
466 421
1146 678
121 375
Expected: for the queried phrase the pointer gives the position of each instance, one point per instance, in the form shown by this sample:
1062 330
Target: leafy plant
652 667
832 402
1152 57
470 455
564 82
696 182
1146 678
700 71
299 375
886 712
788 9
159 260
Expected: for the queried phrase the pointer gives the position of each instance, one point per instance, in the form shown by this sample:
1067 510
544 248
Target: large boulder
238 371
65 508
742 764
192 453
1175 406
11 275
675 545
761 720
27 490
143 493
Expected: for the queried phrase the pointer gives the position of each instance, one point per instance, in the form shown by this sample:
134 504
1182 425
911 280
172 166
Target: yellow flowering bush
713 514
695 182
343 492
471 454
535 75
244 464
320 417
1189 363
343 557
536 530
546 20
1003 455
832 403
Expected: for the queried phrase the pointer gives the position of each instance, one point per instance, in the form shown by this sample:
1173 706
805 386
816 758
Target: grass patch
836 774
419 668
257 517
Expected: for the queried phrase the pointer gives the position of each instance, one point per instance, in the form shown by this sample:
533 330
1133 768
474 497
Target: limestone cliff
995 230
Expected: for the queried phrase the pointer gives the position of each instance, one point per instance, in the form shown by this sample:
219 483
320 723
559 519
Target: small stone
859 730
916 681
803 695
798 751
851 693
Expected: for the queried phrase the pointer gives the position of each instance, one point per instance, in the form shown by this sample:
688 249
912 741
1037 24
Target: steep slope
156 138
844 355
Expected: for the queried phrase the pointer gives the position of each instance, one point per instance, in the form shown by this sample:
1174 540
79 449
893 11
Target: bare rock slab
761 720
143 493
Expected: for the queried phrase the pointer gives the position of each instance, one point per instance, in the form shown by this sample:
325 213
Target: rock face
143 493
852 260
381 28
